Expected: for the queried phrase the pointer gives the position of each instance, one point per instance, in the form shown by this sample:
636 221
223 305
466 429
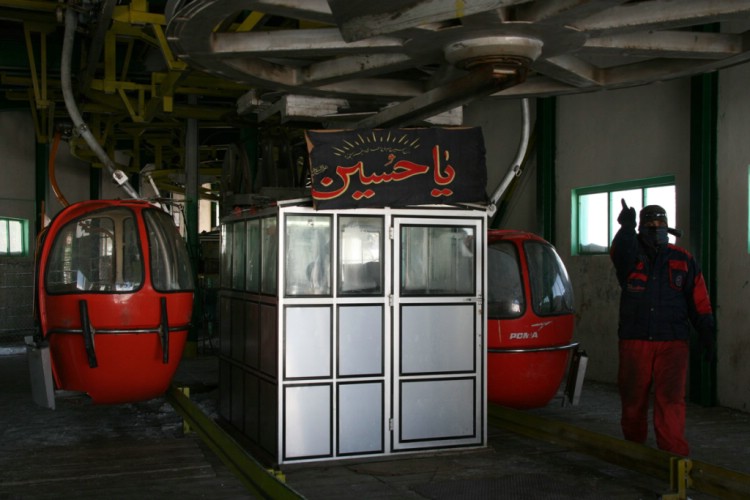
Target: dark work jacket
660 295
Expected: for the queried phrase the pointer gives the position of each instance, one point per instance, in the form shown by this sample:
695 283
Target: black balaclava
653 236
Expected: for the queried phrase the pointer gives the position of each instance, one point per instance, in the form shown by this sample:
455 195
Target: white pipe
71 23
515 169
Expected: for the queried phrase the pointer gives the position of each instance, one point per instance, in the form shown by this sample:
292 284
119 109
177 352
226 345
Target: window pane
665 197
360 247
15 234
633 198
592 223
308 255
551 291
171 269
505 295
437 260
4 243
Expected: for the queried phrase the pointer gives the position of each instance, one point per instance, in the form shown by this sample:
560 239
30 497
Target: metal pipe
52 178
71 23
515 168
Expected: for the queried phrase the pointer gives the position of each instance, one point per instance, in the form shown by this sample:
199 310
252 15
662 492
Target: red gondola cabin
115 297
531 320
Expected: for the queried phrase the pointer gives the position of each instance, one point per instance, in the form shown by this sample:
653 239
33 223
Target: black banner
396 167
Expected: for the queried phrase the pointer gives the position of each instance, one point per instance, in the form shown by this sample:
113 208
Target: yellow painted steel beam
250 22
137 13
161 39
252 474
701 476
137 32
137 115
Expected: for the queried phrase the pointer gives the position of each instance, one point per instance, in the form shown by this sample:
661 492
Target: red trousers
665 364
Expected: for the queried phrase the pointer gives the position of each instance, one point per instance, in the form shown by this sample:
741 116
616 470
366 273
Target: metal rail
259 480
682 472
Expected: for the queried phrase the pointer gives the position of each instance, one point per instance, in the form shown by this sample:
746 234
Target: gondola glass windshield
170 263
505 297
97 253
551 291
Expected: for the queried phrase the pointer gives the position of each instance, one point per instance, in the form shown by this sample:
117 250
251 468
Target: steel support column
41 183
95 183
703 215
546 131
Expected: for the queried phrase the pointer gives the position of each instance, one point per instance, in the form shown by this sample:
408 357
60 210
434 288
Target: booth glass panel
360 418
360 340
360 255
438 409
437 260
238 256
252 263
438 338
269 256
226 257
307 344
308 255
307 421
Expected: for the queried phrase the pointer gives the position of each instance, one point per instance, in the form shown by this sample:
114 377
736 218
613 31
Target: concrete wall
17 150
17 199
733 261
610 137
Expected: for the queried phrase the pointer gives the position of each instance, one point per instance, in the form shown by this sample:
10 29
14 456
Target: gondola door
439 325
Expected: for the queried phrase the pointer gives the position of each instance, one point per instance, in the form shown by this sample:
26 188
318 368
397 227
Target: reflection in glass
238 256
308 255
252 250
170 263
437 260
360 247
269 256
551 291
505 288
87 255
226 257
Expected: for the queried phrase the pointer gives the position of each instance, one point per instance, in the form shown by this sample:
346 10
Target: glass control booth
353 332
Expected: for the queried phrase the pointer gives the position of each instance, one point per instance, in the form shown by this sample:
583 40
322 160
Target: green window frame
595 210
14 237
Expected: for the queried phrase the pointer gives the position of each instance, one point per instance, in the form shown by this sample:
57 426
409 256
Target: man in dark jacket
663 292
